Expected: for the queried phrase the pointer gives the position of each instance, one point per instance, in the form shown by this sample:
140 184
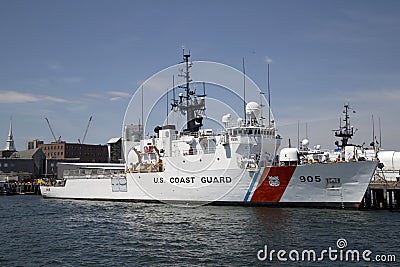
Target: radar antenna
346 131
190 104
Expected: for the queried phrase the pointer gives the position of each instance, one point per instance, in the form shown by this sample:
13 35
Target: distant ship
237 166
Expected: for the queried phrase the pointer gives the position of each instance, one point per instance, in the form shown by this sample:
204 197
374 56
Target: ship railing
381 183
92 174
188 152
390 171
194 134
221 132
243 131
316 161
383 176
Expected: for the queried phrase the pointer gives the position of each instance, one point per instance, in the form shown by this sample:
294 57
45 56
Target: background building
42 159
33 144
75 151
133 132
25 164
115 150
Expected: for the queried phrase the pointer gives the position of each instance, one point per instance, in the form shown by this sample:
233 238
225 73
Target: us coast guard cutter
238 165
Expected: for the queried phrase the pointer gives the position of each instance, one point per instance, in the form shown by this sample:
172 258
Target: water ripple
39 232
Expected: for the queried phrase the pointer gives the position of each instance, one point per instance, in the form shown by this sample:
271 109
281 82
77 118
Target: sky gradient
68 60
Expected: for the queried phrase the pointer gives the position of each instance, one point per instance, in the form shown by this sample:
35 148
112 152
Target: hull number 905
310 179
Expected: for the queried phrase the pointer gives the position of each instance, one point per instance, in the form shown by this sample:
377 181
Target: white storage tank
391 164
391 159
386 157
396 161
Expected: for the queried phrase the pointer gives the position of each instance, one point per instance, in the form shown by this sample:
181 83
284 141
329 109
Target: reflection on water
95 233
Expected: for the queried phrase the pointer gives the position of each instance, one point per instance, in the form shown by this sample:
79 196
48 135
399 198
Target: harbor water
52 232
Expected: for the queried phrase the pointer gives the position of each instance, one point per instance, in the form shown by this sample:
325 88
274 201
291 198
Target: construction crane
87 128
52 132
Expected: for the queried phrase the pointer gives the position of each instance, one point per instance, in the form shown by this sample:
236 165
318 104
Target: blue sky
68 60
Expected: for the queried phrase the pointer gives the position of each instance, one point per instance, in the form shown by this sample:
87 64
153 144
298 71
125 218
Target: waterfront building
74 151
23 164
33 144
115 150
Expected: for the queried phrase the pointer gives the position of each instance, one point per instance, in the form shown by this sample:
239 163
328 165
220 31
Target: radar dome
226 118
253 110
305 142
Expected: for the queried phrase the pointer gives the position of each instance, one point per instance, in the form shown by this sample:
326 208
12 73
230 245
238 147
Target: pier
382 194
16 188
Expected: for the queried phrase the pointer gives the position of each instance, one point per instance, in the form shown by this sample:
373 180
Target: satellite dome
253 110
226 118
305 142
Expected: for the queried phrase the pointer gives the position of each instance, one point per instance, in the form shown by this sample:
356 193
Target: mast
269 101
380 133
142 129
244 93
261 109
189 114
167 106
373 132
298 134
174 102
345 132
189 103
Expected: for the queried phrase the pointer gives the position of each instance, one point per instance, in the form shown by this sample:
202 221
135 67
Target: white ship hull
340 184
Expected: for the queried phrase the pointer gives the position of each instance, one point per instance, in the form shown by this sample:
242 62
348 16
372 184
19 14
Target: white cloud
55 99
13 97
99 96
10 97
110 95
119 93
